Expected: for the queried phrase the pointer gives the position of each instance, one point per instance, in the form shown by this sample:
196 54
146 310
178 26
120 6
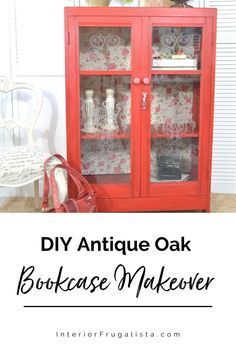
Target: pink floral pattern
172 101
105 157
106 57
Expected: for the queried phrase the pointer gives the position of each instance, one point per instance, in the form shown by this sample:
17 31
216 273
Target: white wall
4 40
32 50
224 147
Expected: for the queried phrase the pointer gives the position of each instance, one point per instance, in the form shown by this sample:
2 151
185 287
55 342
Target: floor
219 203
2 200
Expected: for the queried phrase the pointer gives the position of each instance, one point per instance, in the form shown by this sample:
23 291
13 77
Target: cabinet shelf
175 72
103 136
105 72
161 133
179 136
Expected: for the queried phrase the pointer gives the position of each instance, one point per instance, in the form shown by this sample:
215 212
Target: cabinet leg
36 195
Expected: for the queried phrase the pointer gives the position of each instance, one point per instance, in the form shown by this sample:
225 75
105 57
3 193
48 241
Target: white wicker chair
21 161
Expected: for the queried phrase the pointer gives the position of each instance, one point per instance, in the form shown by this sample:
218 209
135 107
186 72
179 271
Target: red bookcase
139 98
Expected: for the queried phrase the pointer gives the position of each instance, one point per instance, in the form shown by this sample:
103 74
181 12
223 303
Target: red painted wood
180 21
169 136
170 189
97 12
136 64
176 72
210 78
111 21
145 119
104 72
213 31
134 192
104 137
116 190
180 203
72 101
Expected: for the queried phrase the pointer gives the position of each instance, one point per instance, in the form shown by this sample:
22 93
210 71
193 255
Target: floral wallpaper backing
167 41
172 99
105 48
105 157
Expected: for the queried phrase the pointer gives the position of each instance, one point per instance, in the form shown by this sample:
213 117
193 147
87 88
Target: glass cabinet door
105 104
175 104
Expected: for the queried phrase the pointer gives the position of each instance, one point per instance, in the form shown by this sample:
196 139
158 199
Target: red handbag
85 202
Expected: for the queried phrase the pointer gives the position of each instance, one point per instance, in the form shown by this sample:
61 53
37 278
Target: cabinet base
189 203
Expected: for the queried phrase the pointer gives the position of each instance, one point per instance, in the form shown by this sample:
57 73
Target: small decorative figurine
180 3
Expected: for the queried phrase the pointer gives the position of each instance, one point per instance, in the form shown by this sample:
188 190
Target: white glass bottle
89 113
111 125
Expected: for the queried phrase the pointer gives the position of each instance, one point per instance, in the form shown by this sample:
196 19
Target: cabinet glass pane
105 128
176 48
105 48
174 128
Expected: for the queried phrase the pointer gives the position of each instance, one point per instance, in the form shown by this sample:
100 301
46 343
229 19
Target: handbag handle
76 177
45 203
58 156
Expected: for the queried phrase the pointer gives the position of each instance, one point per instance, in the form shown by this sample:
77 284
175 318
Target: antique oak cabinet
140 94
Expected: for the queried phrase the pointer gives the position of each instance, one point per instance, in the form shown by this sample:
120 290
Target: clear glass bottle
89 113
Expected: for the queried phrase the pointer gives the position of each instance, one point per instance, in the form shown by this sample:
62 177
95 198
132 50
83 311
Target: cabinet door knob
146 81
137 81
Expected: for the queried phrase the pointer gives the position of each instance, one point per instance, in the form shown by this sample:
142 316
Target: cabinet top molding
140 11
